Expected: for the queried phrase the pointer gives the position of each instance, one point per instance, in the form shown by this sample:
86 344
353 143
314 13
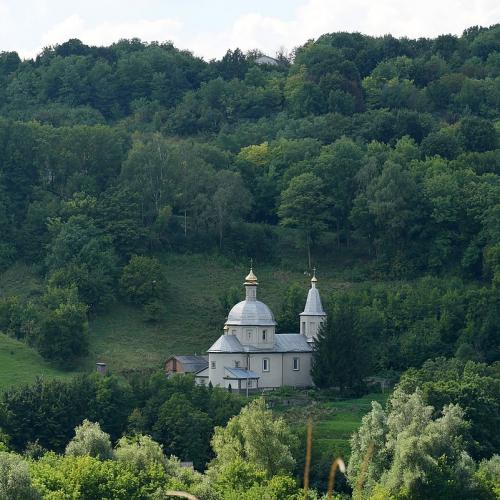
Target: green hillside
193 320
194 315
374 159
19 280
19 364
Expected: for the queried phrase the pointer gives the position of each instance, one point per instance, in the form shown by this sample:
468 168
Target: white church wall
309 325
302 376
253 335
272 377
216 372
280 369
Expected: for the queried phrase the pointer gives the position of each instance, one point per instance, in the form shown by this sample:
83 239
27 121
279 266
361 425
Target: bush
15 480
90 440
139 452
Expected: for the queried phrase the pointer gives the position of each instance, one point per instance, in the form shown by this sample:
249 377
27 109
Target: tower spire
314 314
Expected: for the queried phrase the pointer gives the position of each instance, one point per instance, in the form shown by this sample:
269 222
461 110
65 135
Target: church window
249 334
303 327
296 363
264 335
212 364
265 365
236 364
234 332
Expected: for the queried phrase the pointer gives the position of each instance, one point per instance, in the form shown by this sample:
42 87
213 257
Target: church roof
313 303
192 364
291 342
239 373
284 342
226 343
251 312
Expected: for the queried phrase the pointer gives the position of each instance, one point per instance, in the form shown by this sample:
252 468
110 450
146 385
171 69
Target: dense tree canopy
413 454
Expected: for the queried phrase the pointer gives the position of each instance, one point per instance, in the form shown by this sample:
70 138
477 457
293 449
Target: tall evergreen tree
341 355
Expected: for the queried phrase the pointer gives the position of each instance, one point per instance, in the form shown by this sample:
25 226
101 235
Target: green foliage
143 280
139 452
478 134
341 354
303 205
48 411
90 440
183 430
80 256
87 477
229 298
488 476
403 325
380 153
474 386
63 328
15 479
118 213
239 479
257 438
412 454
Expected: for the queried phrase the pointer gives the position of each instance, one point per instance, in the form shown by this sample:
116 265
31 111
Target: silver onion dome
251 313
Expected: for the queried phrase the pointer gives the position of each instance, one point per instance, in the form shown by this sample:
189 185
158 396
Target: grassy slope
332 433
20 364
333 422
194 317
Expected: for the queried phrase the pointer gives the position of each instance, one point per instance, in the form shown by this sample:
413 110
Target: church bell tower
313 315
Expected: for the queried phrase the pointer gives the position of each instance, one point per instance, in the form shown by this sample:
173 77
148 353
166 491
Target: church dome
251 313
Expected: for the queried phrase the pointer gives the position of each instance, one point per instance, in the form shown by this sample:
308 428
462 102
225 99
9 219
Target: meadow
20 364
334 419
193 318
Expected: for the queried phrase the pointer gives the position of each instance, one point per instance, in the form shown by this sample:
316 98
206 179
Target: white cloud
107 32
28 25
427 18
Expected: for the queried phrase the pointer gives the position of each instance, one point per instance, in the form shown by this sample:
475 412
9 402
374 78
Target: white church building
251 355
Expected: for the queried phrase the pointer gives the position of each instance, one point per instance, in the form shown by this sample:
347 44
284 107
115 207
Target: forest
375 155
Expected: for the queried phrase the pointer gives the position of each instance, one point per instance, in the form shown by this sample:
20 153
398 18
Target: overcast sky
210 27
